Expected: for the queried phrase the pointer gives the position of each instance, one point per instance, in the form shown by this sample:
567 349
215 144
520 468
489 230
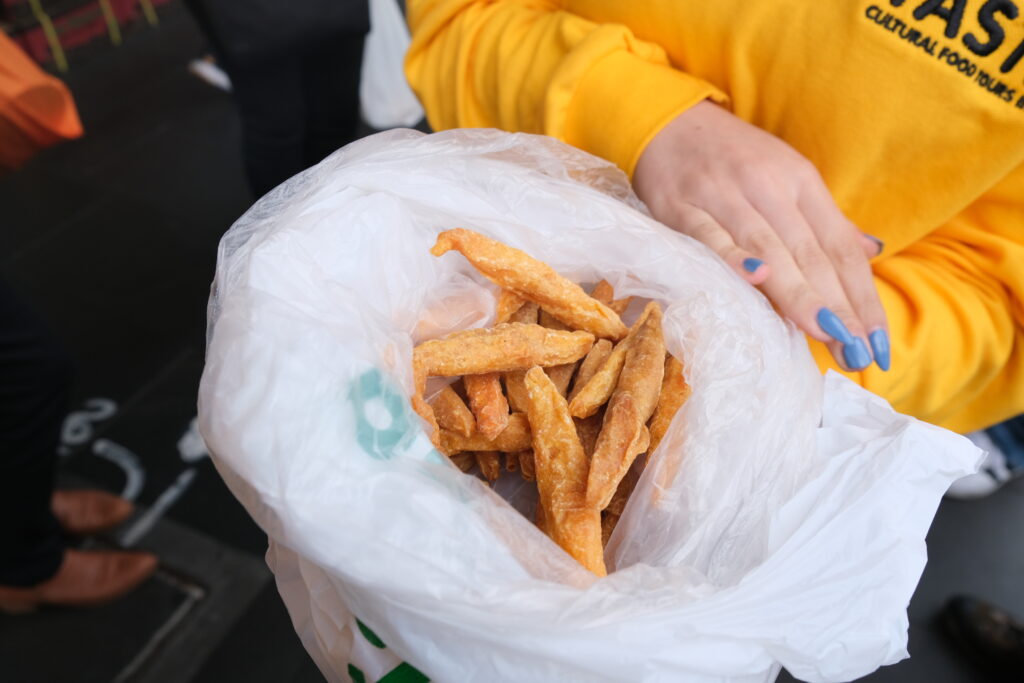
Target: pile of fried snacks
560 387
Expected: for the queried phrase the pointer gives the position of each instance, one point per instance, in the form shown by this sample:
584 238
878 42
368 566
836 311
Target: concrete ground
113 239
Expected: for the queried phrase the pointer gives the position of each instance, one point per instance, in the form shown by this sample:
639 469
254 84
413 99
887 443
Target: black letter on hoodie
1014 57
987 19
952 15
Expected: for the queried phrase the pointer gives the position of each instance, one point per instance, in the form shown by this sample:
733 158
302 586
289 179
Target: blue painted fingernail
752 264
880 243
834 327
856 354
880 346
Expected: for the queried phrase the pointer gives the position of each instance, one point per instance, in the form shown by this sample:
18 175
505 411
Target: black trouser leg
270 101
35 378
330 84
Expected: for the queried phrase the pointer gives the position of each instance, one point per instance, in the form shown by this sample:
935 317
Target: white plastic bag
793 534
385 97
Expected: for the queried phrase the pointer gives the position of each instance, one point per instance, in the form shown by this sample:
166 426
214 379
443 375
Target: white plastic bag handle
386 98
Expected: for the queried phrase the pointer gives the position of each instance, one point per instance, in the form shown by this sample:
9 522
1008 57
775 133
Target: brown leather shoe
84 512
84 579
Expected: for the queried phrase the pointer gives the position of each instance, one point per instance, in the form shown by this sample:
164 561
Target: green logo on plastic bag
382 416
403 673
385 427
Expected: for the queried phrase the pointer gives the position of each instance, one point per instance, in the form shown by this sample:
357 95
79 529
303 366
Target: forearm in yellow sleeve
523 65
956 318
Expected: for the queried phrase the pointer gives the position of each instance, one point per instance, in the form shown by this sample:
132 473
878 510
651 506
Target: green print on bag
386 427
383 425
403 673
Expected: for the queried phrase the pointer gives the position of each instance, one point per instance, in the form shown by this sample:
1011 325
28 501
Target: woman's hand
764 209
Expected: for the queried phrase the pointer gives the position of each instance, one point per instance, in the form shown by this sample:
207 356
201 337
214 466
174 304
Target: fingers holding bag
765 211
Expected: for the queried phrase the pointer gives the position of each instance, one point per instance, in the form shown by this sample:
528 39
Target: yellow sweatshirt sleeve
527 65
608 75
955 302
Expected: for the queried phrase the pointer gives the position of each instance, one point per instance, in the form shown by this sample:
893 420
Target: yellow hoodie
913 112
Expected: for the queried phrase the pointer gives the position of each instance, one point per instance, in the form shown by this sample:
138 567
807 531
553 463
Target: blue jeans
1009 436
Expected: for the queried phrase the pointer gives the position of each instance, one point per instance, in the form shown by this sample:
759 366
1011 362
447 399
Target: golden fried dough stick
588 430
624 434
508 303
512 461
608 523
561 468
531 279
598 354
422 408
506 347
464 461
490 465
625 489
674 392
526 466
623 437
452 413
578 532
538 519
600 386
549 321
487 403
516 437
527 313
515 387
644 368
620 305
610 517
603 292
561 375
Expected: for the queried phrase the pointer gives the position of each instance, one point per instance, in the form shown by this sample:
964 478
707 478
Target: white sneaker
990 477
206 69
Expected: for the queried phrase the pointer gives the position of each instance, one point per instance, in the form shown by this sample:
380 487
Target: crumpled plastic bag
792 534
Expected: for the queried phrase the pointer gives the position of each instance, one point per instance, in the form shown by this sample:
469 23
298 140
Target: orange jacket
36 109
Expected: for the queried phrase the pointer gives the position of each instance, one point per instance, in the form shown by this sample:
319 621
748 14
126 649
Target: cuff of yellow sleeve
623 101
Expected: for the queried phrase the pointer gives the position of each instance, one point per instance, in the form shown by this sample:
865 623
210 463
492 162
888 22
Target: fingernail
880 243
752 264
856 354
834 327
880 347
